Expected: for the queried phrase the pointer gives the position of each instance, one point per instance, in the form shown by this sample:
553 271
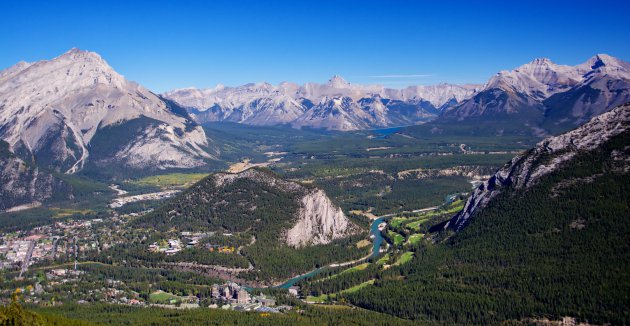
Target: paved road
27 259
413 211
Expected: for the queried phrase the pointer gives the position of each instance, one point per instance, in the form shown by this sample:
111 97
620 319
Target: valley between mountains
317 203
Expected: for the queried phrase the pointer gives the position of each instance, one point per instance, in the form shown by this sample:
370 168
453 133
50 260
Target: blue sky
172 44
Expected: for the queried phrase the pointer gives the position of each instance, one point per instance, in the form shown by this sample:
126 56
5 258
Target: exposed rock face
22 184
319 221
56 109
525 170
542 94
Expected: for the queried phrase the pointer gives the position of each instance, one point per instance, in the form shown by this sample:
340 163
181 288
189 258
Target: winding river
377 241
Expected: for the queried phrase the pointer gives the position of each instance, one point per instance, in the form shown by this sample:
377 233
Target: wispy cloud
400 76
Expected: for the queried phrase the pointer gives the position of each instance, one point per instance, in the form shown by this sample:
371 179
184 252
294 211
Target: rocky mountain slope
76 110
545 96
550 155
542 96
24 185
335 105
259 202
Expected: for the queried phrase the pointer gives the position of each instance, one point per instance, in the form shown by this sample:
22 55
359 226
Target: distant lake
382 133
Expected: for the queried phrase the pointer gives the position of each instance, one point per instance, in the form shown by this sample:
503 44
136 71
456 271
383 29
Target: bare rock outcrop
550 154
320 221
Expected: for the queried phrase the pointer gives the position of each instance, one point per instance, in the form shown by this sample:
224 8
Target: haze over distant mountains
540 94
335 105
75 111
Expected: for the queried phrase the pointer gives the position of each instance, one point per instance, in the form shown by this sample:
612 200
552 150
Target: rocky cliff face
57 110
549 155
319 221
22 184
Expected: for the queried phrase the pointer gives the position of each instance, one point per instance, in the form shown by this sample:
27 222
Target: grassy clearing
415 225
453 208
170 180
162 297
65 212
415 238
383 260
358 287
322 298
355 268
398 239
405 258
397 221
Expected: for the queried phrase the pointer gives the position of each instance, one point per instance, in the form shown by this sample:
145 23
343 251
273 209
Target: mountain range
335 105
75 112
547 97
541 95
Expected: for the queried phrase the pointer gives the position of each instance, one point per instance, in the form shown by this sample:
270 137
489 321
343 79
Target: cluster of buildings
23 249
230 292
16 253
189 240
168 247
193 238
62 274
235 297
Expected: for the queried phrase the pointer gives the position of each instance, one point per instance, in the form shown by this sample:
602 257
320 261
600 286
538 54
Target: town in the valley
68 243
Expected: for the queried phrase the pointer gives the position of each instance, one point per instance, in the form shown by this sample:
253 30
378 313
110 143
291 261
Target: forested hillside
255 213
559 248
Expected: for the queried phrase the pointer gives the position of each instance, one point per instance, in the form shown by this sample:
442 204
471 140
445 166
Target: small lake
382 133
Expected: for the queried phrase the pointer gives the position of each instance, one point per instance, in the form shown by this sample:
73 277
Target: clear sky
173 44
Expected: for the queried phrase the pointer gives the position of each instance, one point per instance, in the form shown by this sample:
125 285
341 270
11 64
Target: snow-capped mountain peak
539 78
337 81
602 59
